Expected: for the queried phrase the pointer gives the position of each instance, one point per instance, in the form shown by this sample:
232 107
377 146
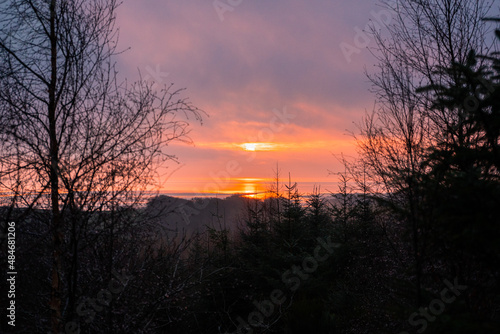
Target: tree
422 38
68 129
317 213
463 180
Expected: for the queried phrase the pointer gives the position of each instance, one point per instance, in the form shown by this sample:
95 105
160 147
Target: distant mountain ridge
182 216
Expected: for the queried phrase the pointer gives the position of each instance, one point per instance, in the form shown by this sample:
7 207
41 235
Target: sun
258 146
250 146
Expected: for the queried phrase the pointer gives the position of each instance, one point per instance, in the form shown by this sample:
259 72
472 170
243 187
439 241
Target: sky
282 84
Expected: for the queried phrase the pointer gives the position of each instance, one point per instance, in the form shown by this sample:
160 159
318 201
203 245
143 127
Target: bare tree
73 138
422 39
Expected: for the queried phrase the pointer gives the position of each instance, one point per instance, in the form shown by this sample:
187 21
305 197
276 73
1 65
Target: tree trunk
57 237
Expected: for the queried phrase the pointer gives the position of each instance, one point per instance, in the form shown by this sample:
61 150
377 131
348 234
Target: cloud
264 55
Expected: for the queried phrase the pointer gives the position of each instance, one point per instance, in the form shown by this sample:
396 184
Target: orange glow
257 146
292 145
247 187
251 189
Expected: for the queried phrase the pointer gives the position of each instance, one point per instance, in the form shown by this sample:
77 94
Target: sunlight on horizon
250 187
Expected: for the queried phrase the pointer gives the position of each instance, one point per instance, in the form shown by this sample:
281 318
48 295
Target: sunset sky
272 77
